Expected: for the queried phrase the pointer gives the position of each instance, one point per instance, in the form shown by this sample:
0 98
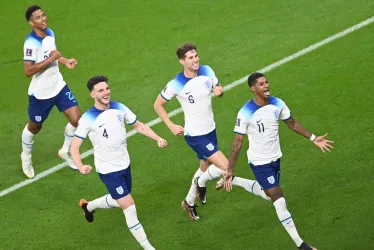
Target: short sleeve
169 91
83 128
29 51
242 123
130 117
285 112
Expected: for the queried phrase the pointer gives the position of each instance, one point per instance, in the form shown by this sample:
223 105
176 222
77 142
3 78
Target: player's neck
261 101
189 73
101 106
40 33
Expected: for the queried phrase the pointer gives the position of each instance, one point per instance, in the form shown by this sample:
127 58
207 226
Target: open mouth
106 97
267 92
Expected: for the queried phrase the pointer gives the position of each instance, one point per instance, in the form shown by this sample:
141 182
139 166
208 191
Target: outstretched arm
319 141
147 131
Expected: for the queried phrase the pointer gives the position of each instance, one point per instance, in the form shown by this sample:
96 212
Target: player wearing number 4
193 88
259 119
104 124
47 88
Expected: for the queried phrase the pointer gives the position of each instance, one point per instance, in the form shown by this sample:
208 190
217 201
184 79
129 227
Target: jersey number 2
105 134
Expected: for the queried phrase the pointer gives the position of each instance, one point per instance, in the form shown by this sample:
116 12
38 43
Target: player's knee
74 122
34 128
274 193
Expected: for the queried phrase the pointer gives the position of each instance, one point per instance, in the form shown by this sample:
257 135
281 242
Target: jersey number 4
105 134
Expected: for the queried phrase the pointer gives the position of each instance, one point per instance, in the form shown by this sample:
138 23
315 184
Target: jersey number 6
190 98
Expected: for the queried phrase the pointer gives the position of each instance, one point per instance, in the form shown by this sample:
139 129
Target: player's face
38 20
261 88
101 93
191 61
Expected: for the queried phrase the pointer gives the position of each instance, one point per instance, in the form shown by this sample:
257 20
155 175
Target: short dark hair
252 78
184 48
95 80
31 10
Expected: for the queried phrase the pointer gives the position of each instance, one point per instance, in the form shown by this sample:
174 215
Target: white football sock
251 186
211 173
27 141
69 135
136 228
286 219
191 196
105 201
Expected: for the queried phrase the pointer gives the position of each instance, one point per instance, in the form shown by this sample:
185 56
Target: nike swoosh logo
101 125
46 51
259 121
188 92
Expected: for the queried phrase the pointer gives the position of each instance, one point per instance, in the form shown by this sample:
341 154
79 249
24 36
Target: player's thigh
119 185
73 114
219 160
267 175
38 111
66 102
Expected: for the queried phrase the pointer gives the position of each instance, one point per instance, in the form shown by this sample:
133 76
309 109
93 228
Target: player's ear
92 94
253 88
181 61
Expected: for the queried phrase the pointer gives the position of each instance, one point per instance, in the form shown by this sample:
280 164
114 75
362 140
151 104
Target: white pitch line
227 87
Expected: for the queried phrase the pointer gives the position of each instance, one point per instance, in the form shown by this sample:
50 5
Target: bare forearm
235 151
37 67
74 152
298 128
161 112
62 60
147 131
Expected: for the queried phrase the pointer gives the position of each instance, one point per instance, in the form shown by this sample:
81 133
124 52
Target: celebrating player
193 88
104 124
259 119
47 88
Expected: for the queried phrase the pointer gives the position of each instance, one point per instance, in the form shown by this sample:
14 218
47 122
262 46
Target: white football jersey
107 132
48 82
261 124
194 95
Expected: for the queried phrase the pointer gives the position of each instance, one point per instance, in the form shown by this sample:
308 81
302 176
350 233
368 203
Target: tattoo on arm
235 150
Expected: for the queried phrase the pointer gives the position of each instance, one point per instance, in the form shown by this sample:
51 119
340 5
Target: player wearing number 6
104 125
193 88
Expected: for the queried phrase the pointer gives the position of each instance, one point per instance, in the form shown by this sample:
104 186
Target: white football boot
27 168
65 155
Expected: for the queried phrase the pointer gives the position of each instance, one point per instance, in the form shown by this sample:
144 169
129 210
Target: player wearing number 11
259 119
